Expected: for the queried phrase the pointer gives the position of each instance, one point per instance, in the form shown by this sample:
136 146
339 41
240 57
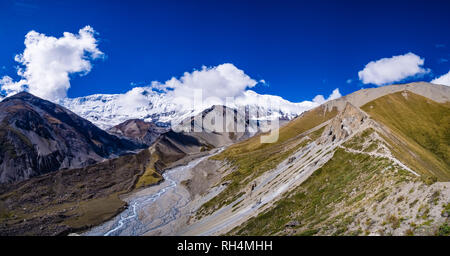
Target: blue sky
299 48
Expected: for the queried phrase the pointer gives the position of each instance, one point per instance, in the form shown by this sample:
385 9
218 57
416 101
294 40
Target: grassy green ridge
326 191
252 158
421 131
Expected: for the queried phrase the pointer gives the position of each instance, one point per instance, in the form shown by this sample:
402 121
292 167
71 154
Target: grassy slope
333 199
312 203
150 176
421 131
251 158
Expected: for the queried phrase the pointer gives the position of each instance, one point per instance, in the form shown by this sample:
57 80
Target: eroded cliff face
37 137
349 120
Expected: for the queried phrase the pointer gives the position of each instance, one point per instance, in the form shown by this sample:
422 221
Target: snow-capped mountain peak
107 110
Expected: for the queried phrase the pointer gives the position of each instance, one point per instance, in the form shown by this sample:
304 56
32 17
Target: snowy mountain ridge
107 110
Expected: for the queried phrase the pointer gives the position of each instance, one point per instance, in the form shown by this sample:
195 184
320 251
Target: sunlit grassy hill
420 131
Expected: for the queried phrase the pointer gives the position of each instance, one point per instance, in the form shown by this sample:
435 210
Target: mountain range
107 110
374 162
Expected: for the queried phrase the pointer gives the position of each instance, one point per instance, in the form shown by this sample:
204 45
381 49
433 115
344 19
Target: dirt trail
375 154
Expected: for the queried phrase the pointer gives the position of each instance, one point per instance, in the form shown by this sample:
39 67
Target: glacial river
152 208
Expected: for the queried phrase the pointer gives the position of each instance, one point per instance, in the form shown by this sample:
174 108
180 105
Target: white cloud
349 81
444 79
394 69
10 87
335 94
221 81
133 99
215 84
48 61
319 99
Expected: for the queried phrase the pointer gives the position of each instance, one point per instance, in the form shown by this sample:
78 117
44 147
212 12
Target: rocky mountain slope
138 131
373 162
37 137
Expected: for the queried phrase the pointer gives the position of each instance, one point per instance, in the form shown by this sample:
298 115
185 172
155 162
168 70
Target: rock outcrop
347 122
138 131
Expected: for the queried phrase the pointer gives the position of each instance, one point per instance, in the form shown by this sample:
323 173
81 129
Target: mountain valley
374 162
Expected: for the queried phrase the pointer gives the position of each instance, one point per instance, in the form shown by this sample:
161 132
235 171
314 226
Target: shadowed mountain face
37 136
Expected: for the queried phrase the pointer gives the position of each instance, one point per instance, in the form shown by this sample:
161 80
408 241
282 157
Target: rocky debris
292 223
291 160
226 183
347 122
253 186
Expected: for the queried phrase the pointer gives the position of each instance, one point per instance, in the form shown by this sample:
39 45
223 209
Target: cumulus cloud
394 69
319 99
221 81
214 84
10 87
444 79
47 63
